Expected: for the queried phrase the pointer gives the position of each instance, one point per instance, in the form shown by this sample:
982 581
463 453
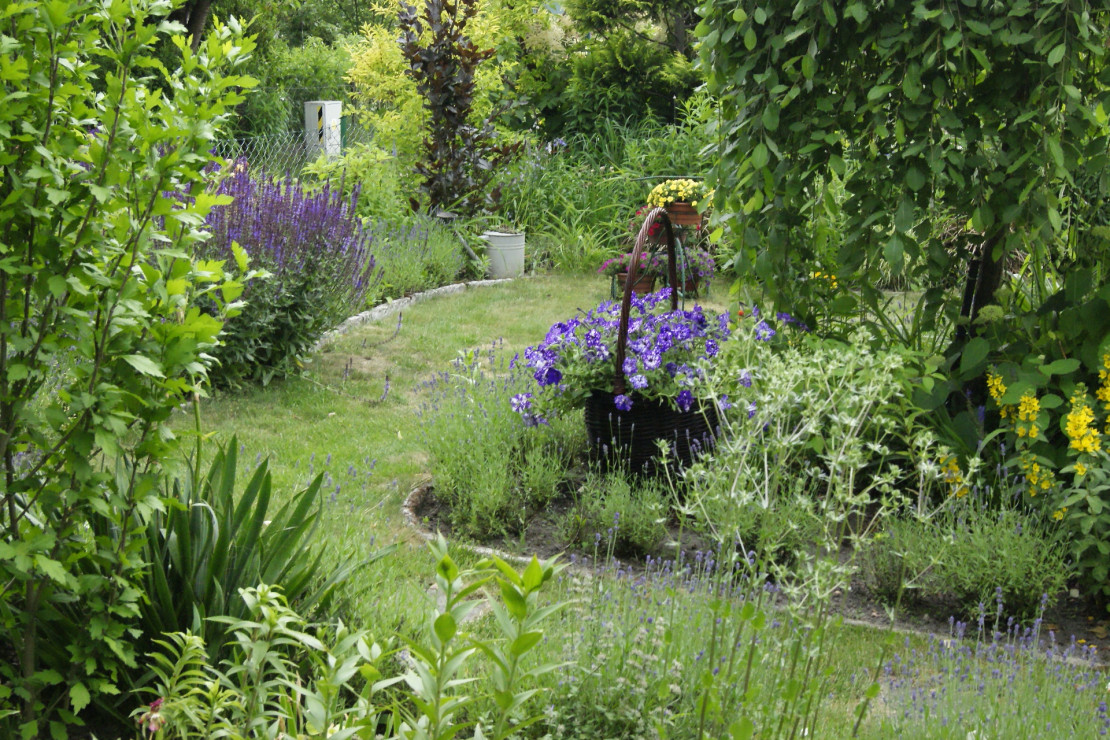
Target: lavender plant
996 679
696 646
413 257
489 467
320 265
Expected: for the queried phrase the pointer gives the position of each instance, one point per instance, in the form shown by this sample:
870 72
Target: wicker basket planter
629 440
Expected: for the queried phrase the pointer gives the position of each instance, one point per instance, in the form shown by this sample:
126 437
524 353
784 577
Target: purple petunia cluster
665 351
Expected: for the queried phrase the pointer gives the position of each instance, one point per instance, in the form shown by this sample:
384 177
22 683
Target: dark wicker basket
630 438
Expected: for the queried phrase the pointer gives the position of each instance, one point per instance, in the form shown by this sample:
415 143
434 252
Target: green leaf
830 14
836 164
742 729
915 180
749 39
1060 367
894 253
904 216
445 627
982 218
974 355
771 117
144 365
525 642
533 575
513 599
1056 55
760 156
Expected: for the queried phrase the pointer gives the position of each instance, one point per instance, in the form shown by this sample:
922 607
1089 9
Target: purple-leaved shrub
318 256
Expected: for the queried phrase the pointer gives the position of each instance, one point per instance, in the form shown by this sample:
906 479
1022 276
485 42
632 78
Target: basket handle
657 214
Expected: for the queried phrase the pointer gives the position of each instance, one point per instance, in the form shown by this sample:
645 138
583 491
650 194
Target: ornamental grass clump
318 257
667 353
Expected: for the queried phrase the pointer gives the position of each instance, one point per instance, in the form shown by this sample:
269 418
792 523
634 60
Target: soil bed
542 535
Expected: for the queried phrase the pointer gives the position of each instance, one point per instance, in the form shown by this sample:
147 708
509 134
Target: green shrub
100 339
370 172
414 258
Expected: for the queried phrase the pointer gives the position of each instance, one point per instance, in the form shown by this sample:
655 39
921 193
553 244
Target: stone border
378 313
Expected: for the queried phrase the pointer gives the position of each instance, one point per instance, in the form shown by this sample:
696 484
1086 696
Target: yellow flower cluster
953 476
674 191
1080 469
1027 412
1040 479
997 389
827 276
1058 515
1103 392
1079 425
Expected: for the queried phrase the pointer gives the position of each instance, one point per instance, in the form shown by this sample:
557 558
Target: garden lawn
352 416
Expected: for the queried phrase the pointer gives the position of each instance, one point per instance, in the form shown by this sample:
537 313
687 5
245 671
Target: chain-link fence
288 152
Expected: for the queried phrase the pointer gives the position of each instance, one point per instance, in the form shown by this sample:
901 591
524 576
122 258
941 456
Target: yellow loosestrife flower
1080 469
995 386
953 476
1058 515
1079 425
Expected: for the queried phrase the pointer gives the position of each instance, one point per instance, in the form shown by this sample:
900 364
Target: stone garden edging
378 313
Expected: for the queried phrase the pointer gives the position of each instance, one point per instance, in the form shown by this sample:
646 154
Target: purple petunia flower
548 376
629 365
763 331
639 382
622 402
685 400
521 402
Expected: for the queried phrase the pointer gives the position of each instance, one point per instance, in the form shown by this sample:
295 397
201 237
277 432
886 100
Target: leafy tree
99 339
459 157
636 18
983 110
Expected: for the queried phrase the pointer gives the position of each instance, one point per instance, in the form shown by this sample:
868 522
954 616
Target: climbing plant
980 110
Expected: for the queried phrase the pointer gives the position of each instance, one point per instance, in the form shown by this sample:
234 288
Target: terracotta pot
683 214
644 283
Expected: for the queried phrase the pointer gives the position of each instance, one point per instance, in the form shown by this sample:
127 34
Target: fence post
322 133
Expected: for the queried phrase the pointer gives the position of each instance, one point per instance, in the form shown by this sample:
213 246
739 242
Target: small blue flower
751 409
746 378
711 348
622 402
685 400
723 402
639 382
763 331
